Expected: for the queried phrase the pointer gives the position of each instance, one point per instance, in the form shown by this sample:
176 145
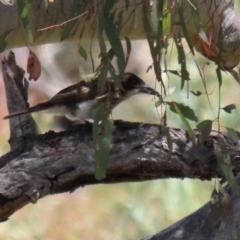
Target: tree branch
199 225
58 162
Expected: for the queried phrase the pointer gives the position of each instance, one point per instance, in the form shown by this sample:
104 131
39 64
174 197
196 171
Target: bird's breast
81 111
76 111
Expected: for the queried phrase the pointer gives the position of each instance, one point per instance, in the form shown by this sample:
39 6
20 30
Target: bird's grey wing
73 87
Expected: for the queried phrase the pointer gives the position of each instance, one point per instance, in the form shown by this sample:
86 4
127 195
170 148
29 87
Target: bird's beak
148 90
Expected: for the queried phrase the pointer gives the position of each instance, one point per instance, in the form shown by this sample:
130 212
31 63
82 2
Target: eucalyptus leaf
178 108
112 34
235 135
3 44
186 111
183 26
205 128
181 61
197 94
82 52
67 30
229 108
224 161
102 153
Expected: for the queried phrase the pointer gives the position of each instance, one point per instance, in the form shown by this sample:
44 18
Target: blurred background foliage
119 211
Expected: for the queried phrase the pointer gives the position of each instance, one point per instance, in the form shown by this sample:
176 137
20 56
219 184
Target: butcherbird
81 100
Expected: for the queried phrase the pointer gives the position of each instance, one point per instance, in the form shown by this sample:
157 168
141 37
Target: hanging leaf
235 135
183 26
153 29
226 200
205 128
102 153
197 94
186 111
224 162
3 44
67 30
102 134
229 108
181 61
217 212
178 108
129 49
175 72
166 20
196 16
158 103
112 34
82 52
76 8
33 66
24 8
219 76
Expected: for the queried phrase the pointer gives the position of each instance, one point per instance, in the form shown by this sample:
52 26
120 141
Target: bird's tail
37 108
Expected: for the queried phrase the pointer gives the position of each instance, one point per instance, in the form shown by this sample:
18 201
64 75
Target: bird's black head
134 84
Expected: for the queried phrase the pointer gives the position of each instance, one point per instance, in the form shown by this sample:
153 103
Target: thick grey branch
17 99
58 162
199 225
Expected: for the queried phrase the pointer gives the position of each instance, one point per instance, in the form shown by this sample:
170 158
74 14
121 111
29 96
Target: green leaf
158 103
82 52
196 16
153 29
235 135
3 44
219 76
229 108
102 153
224 161
23 9
189 112
27 28
197 94
205 128
217 211
181 61
112 34
183 26
102 133
67 30
27 7
186 111
129 49
166 19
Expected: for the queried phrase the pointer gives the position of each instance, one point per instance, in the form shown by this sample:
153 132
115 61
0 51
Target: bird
80 101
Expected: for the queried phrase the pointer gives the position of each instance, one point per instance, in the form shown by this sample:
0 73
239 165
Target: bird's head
135 85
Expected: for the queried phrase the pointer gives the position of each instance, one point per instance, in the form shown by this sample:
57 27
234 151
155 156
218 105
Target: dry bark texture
40 165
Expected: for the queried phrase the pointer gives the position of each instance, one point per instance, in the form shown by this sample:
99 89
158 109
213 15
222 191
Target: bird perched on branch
81 100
